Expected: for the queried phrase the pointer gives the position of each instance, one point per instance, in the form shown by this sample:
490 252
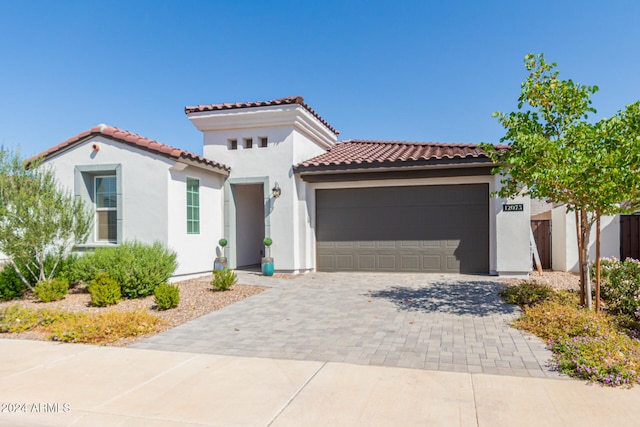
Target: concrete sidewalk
46 383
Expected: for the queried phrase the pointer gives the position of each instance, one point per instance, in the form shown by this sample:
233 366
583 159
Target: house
277 169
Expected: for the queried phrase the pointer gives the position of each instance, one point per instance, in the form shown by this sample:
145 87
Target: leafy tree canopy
37 218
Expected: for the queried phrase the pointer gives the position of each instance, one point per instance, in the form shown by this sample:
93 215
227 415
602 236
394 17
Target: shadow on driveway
477 298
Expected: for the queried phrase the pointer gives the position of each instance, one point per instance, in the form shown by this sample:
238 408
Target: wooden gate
629 236
542 235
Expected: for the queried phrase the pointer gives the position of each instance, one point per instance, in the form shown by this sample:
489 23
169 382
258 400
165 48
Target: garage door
435 228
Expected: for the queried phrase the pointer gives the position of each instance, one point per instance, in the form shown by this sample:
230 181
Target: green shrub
11 286
224 279
527 293
104 290
138 267
167 296
51 290
620 285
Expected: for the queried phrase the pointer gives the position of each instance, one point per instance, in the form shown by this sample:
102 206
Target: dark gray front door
434 228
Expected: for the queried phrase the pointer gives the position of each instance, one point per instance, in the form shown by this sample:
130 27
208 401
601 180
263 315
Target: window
248 143
264 142
193 206
233 144
106 201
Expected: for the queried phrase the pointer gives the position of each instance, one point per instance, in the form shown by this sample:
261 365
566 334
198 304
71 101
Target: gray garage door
435 228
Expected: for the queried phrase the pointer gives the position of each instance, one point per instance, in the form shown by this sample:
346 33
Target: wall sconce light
276 191
95 147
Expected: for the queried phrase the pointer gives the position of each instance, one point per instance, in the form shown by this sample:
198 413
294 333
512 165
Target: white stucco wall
144 196
153 200
196 252
513 248
293 136
564 243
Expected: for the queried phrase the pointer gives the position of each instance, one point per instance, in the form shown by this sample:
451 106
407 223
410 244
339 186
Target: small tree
37 218
555 154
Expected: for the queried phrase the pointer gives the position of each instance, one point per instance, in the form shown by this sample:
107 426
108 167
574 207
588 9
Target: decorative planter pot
220 263
267 266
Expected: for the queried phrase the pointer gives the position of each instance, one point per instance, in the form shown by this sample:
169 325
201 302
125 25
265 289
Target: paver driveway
423 321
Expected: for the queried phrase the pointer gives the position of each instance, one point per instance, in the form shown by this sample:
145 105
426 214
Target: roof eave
354 167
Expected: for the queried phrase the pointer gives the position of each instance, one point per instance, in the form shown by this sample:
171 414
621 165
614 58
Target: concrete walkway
51 384
452 323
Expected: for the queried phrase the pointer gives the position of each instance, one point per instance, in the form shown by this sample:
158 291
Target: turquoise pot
267 266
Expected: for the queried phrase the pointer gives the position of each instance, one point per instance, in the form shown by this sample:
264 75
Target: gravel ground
556 279
197 298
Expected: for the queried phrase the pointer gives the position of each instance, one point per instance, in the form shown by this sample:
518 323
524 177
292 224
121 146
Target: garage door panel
432 263
345 262
367 262
425 228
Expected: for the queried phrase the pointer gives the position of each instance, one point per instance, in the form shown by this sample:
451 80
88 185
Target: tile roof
281 101
132 139
368 153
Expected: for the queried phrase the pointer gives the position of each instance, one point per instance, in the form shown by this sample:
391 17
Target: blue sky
402 70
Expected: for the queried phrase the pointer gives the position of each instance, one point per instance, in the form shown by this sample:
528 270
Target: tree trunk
586 230
580 255
597 261
19 273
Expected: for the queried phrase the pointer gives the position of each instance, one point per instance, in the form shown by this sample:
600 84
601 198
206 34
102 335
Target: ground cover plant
597 347
527 293
84 327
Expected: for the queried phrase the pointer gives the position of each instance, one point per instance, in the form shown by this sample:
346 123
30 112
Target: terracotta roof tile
368 153
281 101
133 139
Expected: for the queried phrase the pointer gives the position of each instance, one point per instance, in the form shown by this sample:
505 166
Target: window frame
112 210
193 210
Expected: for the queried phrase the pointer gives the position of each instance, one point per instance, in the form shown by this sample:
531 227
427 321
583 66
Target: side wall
565 243
196 252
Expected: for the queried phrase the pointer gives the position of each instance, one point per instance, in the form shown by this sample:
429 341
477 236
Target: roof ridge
129 137
400 142
377 153
279 101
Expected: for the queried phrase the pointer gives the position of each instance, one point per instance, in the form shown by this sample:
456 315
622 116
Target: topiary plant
104 290
51 290
267 243
167 296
